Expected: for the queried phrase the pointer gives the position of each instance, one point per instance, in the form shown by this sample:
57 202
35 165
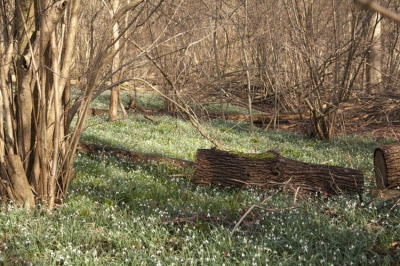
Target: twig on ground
295 196
249 210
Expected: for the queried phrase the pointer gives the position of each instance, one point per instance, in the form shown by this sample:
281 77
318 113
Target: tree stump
132 101
271 170
387 166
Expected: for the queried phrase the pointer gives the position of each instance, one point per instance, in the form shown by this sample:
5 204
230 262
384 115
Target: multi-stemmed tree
37 144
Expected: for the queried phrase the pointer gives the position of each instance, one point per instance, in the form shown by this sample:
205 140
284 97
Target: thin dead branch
380 9
249 210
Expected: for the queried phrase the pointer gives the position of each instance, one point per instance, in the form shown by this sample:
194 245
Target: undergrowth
119 213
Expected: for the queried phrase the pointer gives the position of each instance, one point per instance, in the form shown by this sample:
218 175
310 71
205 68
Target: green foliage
119 213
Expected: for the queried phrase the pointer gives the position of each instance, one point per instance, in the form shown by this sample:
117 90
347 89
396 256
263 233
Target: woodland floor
366 115
372 115
376 116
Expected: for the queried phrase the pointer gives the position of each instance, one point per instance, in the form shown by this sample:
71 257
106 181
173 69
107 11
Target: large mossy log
387 166
271 170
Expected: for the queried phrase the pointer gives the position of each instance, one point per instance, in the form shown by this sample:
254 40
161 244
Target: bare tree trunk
247 70
37 147
216 51
373 61
113 110
115 91
27 135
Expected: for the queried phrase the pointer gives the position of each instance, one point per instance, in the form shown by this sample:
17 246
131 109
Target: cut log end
381 174
387 166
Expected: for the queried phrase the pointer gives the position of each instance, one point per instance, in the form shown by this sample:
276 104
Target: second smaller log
271 170
387 166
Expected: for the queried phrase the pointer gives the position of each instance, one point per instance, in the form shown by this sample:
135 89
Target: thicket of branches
299 55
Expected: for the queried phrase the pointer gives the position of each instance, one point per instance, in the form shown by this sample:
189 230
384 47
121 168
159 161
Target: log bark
270 170
387 166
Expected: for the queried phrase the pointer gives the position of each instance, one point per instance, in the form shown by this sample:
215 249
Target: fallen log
136 157
271 170
387 166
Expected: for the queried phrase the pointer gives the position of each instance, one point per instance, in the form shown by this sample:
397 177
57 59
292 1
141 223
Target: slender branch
185 108
249 210
380 9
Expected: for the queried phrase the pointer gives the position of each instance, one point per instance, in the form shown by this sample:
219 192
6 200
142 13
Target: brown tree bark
115 91
115 97
25 158
37 147
373 60
270 170
387 166
22 193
